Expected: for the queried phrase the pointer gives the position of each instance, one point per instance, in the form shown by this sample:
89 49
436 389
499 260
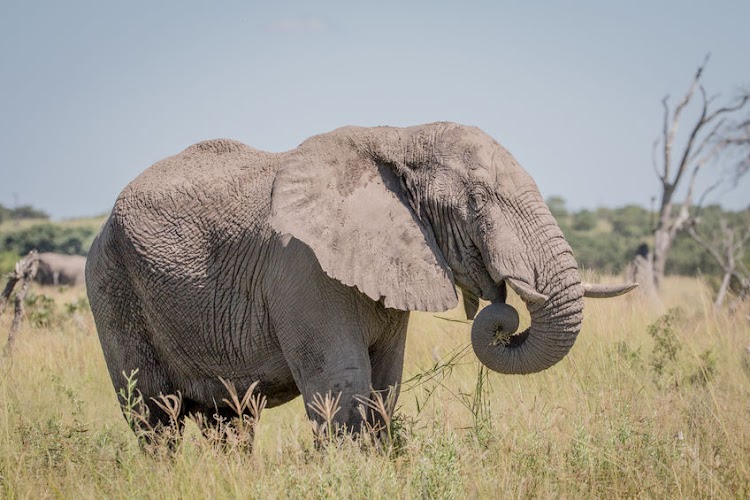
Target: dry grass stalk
377 414
326 407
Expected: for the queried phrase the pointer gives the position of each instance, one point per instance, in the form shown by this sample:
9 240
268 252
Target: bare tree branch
682 165
670 130
728 109
726 249
654 161
718 257
667 143
708 139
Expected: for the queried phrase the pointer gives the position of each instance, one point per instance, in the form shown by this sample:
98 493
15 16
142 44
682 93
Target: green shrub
40 309
48 237
7 263
667 345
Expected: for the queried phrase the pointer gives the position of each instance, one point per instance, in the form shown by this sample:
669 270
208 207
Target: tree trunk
722 290
662 245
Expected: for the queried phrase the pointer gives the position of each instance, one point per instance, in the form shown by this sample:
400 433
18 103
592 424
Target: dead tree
678 165
727 249
24 272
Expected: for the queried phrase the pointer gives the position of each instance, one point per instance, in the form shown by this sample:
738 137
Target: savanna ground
650 402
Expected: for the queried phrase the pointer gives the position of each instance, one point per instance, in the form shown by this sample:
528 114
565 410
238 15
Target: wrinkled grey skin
60 269
299 269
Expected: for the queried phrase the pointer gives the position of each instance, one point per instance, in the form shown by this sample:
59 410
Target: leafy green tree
608 253
584 220
631 221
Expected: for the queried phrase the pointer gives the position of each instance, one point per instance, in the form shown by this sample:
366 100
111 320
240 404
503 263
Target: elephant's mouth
503 327
495 293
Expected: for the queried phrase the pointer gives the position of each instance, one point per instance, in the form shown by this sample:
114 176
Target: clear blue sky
92 93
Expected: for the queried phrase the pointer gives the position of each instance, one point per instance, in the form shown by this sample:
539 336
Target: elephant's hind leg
147 397
150 404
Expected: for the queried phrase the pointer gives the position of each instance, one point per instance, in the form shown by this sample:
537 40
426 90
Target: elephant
60 269
298 269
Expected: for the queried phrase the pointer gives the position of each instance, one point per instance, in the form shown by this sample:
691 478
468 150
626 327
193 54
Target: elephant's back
174 217
217 166
218 182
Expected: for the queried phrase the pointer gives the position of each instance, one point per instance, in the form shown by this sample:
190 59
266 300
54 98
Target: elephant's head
406 214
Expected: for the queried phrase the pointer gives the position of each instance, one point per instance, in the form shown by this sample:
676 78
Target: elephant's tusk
524 291
597 291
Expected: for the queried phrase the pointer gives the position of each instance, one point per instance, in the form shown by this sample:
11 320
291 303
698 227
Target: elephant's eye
478 199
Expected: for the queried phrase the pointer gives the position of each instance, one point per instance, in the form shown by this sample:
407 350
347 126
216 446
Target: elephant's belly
209 392
201 346
204 385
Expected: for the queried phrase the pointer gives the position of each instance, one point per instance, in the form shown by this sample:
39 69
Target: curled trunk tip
554 328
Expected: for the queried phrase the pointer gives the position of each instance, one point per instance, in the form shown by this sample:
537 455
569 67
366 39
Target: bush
7 263
48 237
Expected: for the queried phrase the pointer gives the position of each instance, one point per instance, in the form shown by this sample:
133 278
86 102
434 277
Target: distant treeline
22 212
25 228
607 239
48 237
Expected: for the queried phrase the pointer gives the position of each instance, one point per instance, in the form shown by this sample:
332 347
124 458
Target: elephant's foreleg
387 361
325 331
329 361
332 382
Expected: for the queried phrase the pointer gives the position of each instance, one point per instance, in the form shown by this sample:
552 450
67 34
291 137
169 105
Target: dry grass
641 407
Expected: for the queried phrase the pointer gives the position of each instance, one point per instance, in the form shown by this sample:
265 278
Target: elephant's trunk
556 314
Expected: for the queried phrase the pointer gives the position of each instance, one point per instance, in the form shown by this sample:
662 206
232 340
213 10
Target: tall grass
650 402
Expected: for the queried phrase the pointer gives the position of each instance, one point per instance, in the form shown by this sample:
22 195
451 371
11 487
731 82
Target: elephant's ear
350 210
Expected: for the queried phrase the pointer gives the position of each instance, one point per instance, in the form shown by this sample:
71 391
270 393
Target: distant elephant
299 269
60 269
